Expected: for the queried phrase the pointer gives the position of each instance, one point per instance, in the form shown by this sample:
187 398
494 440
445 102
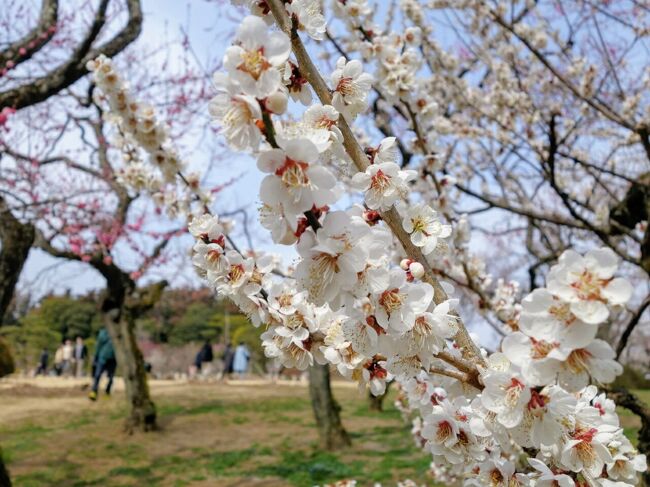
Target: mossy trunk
331 432
130 362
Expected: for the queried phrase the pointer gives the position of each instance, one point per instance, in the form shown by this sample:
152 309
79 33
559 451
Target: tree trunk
376 403
5 481
326 410
142 414
16 239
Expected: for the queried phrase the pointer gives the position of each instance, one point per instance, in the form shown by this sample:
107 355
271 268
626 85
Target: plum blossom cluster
348 306
538 419
531 417
139 129
362 300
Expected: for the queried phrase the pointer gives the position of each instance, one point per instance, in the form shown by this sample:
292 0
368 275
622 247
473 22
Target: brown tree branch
60 78
16 239
631 326
24 48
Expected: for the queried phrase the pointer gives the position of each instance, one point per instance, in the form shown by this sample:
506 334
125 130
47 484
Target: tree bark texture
331 432
120 313
142 410
16 239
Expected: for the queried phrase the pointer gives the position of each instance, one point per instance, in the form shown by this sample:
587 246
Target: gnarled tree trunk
142 410
16 239
121 308
326 410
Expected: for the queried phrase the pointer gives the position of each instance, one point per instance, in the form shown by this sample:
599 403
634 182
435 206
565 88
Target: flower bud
416 269
404 264
276 103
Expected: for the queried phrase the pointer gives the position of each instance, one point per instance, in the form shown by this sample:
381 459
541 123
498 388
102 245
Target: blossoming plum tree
371 292
68 185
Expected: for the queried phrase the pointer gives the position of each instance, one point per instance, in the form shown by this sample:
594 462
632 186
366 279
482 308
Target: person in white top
68 351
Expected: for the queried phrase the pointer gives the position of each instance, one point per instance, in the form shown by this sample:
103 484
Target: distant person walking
104 361
240 361
228 357
68 351
58 360
80 354
43 361
204 358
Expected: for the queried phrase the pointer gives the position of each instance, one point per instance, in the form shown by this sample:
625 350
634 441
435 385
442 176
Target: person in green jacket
104 361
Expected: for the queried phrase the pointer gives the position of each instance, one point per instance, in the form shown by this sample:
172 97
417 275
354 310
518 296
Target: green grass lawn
213 435
210 435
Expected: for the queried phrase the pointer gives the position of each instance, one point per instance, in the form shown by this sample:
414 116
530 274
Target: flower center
213 256
513 392
563 313
578 360
346 86
420 225
239 114
496 479
444 431
588 287
541 348
380 182
284 300
537 401
391 300
325 123
293 173
254 63
236 273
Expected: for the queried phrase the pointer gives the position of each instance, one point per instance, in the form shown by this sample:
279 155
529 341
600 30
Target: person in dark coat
228 358
43 362
104 362
204 359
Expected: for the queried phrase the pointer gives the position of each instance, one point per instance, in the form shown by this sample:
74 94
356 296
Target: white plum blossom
296 182
310 18
506 395
383 184
351 87
586 449
422 223
547 317
588 283
548 478
254 60
332 259
397 306
237 114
